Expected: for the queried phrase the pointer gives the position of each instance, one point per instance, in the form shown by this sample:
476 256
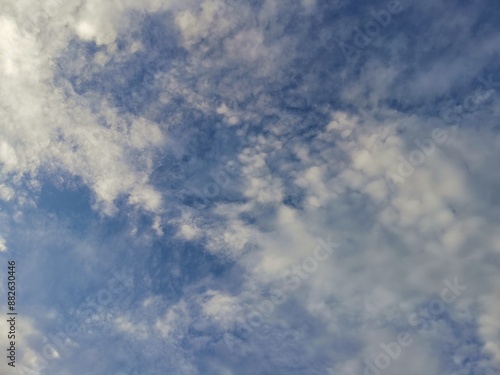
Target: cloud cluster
217 140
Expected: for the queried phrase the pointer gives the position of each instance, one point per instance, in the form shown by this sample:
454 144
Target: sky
219 187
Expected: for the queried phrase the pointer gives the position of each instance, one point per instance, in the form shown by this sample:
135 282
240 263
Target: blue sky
260 187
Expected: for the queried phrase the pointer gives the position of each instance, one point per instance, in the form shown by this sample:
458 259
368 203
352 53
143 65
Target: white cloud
3 245
44 128
188 232
140 330
397 243
410 240
222 308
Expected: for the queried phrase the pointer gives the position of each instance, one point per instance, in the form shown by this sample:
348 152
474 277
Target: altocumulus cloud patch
168 168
